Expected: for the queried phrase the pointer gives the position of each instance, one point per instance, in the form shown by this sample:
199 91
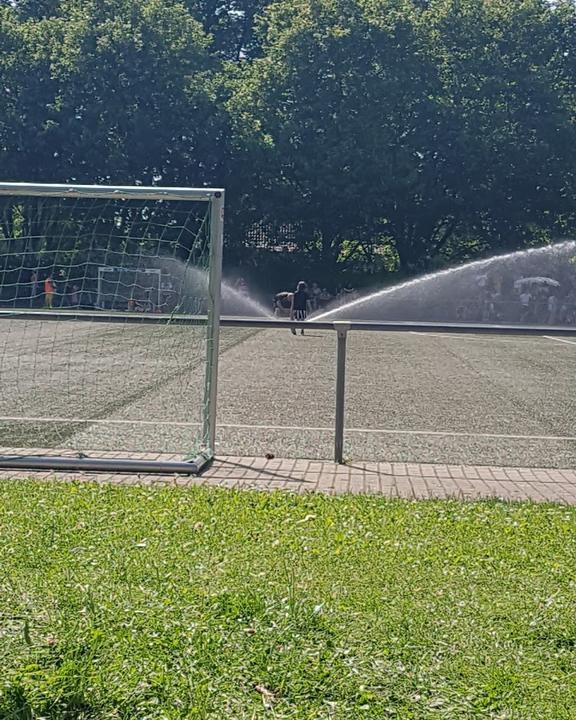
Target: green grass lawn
140 603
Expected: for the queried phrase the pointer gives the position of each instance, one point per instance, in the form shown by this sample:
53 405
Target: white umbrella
536 281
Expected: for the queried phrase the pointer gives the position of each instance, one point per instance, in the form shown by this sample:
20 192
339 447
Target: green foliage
336 102
507 69
133 86
231 25
33 8
445 127
377 117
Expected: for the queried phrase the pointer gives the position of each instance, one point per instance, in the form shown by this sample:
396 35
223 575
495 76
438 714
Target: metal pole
213 329
264 323
342 333
137 192
99 464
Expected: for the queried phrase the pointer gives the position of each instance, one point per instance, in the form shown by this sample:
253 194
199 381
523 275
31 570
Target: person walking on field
299 308
49 292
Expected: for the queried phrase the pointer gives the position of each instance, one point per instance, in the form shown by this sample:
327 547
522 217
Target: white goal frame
215 198
103 269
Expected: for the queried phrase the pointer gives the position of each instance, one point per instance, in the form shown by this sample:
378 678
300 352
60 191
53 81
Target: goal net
109 319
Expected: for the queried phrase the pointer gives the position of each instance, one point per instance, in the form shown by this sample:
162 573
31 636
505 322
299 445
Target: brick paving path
405 480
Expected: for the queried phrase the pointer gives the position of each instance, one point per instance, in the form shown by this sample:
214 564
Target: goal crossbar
111 192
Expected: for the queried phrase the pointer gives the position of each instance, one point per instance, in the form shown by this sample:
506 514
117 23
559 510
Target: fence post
342 334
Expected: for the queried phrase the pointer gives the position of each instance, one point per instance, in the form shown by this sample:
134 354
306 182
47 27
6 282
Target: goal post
110 346
214 296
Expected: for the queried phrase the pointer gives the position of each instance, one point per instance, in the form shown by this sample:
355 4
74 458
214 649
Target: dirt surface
410 398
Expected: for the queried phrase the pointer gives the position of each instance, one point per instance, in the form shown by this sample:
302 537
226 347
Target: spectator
539 304
324 298
148 301
75 296
34 288
552 309
525 305
315 293
567 308
348 293
60 290
49 292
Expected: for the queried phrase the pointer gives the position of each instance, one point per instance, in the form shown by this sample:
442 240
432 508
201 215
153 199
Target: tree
122 91
33 8
109 91
428 130
508 70
28 90
231 24
409 123
345 101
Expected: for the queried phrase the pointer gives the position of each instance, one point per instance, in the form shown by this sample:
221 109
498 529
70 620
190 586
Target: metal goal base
110 465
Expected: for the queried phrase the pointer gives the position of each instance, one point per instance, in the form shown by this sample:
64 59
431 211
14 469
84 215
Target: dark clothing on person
299 307
300 303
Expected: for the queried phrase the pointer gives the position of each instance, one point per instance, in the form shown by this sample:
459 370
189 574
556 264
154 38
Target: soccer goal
109 326
125 288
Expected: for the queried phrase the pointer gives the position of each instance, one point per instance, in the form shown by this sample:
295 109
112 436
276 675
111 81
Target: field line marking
478 338
447 336
243 426
95 421
560 340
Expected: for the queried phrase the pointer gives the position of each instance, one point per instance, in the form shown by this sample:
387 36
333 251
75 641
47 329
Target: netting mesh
80 280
